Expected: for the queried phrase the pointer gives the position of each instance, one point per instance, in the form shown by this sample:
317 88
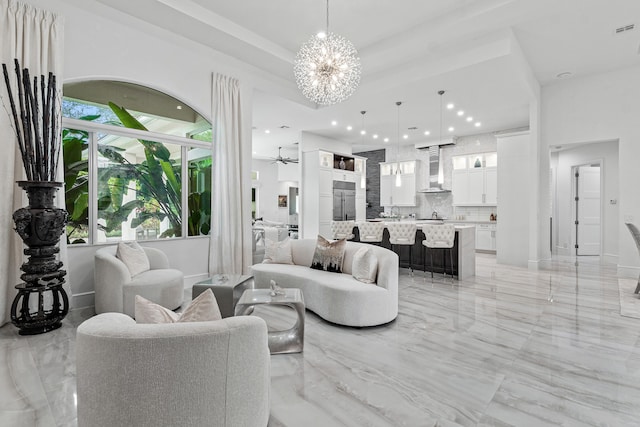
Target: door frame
574 168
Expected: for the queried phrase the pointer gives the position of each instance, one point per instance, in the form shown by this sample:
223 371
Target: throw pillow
365 266
133 256
202 309
278 252
328 255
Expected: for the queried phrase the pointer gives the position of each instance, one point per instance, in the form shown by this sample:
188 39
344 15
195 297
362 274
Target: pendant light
363 179
440 167
398 173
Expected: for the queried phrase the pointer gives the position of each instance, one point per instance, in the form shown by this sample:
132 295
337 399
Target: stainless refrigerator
344 201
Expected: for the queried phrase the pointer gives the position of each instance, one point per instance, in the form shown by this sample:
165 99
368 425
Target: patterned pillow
202 309
365 266
328 255
278 252
133 256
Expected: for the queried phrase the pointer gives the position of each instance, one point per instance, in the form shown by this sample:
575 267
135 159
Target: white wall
564 227
603 107
269 188
515 177
311 142
100 42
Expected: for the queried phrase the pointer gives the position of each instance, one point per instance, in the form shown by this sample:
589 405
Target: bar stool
371 232
342 230
403 234
441 236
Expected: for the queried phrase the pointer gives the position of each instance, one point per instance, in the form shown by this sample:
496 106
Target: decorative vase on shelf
342 164
477 164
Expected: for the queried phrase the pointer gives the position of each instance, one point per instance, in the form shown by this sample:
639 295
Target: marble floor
508 347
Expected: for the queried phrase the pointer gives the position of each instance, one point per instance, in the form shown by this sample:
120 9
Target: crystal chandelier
327 68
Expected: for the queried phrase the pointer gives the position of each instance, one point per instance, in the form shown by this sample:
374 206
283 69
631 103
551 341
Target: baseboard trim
628 271
192 279
83 300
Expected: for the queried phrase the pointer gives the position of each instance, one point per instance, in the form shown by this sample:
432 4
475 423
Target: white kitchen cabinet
486 237
474 183
405 194
319 170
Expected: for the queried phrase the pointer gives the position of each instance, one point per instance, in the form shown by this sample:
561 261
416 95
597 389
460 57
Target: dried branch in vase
35 122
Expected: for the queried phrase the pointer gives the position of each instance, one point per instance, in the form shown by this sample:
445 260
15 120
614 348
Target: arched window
130 152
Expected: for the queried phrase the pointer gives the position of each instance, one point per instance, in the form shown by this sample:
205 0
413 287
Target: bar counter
464 254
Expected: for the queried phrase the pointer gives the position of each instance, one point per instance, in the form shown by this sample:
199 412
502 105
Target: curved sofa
172 374
338 297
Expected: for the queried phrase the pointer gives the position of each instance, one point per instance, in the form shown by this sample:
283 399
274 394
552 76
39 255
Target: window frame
94 128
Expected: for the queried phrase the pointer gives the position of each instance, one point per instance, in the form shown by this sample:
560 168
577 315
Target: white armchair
179 374
116 289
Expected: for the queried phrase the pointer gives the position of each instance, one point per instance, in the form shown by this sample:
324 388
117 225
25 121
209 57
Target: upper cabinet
474 180
390 193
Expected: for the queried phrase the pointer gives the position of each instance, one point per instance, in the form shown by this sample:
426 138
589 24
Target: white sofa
338 297
179 374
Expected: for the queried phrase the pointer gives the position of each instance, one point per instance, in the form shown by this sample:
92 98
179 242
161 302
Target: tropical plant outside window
134 191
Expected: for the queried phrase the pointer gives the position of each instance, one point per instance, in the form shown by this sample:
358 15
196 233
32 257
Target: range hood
434 169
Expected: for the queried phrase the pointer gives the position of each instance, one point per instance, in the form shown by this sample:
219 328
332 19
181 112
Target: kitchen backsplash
426 204
473 213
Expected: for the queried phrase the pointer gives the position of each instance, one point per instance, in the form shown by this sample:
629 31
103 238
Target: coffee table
289 340
226 287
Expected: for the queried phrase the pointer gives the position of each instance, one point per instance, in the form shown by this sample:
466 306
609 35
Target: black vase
40 226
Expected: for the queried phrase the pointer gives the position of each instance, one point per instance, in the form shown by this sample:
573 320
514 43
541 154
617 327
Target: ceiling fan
283 160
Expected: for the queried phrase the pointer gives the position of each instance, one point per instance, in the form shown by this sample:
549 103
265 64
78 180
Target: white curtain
35 38
230 201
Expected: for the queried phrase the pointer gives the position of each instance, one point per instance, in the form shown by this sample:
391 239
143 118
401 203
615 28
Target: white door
588 210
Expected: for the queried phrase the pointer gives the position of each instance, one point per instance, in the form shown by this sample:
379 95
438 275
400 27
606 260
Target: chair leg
637 286
451 263
411 259
431 257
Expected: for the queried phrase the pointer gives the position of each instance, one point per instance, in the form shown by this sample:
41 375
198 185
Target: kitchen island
464 255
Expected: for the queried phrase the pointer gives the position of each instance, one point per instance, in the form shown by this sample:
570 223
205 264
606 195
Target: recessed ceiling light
375 136
469 119
255 152
564 75
333 123
405 136
386 140
451 128
179 107
478 124
267 131
363 132
461 112
450 106
349 127
426 132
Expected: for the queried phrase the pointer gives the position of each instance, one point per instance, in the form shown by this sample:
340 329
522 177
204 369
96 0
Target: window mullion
184 176
93 188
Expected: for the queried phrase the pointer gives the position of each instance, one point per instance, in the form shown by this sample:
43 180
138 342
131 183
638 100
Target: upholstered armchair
213 373
116 289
